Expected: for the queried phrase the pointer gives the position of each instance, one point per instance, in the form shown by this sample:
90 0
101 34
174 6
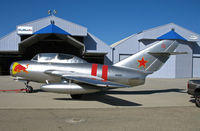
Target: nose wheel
29 89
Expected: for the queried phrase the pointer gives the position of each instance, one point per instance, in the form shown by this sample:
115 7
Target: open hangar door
123 56
58 43
95 57
5 62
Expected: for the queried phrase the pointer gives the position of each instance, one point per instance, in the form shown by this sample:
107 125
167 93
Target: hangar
56 35
51 34
178 66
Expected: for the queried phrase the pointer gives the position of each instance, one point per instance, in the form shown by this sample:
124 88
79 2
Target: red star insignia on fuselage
142 62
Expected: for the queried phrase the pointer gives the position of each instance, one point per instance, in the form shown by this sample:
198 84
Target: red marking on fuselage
104 72
163 46
94 69
20 68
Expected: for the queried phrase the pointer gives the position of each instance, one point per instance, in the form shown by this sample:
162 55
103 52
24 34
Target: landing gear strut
29 89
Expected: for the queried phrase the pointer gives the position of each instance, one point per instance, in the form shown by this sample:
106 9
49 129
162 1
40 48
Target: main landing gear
76 96
29 89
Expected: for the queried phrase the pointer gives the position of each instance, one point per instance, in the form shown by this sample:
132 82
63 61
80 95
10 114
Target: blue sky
109 20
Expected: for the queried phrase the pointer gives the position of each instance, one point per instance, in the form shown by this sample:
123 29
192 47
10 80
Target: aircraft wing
82 78
96 82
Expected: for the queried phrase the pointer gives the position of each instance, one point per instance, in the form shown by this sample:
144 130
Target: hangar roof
118 42
154 33
72 28
171 35
51 29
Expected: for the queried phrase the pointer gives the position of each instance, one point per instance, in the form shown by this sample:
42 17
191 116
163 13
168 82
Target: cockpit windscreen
57 58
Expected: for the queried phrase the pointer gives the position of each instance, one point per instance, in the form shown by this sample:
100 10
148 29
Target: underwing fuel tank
68 88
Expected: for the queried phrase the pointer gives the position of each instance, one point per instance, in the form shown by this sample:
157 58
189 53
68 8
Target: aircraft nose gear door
29 89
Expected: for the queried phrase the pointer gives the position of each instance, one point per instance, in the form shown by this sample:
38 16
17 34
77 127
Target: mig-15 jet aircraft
63 73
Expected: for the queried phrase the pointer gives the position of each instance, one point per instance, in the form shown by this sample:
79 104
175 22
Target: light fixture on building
52 12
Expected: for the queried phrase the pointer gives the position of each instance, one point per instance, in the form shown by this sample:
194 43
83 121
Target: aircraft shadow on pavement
103 98
37 90
145 92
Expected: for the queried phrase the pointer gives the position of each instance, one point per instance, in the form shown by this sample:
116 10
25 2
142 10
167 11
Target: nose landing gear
29 89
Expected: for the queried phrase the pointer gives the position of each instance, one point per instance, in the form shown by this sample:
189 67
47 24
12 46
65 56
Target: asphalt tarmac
160 104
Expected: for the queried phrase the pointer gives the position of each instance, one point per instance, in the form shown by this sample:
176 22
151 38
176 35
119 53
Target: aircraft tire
197 100
76 97
29 89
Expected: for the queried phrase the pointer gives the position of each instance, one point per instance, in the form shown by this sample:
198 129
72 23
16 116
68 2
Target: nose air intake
11 69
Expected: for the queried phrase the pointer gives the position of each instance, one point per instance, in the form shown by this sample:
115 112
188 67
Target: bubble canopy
57 58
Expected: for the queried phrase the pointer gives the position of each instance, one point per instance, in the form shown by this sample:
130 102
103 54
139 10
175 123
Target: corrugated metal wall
129 46
184 62
167 70
10 42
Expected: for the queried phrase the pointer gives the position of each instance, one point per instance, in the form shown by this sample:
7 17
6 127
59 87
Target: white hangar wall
184 62
167 70
94 44
122 51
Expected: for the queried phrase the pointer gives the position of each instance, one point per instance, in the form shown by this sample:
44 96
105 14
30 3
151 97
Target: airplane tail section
152 58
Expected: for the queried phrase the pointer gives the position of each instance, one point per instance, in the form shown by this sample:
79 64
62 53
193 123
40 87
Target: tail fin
152 58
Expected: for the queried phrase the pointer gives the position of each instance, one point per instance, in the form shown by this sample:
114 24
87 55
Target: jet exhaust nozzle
69 88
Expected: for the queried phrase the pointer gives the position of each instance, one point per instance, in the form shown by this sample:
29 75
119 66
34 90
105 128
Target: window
64 56
35 58
47 56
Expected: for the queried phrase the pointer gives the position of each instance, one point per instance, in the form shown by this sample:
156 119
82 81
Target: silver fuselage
36 72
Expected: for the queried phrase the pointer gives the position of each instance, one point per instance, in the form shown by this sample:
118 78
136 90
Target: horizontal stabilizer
167 53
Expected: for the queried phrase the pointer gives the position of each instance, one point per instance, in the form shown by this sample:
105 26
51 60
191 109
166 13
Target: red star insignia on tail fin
142 62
